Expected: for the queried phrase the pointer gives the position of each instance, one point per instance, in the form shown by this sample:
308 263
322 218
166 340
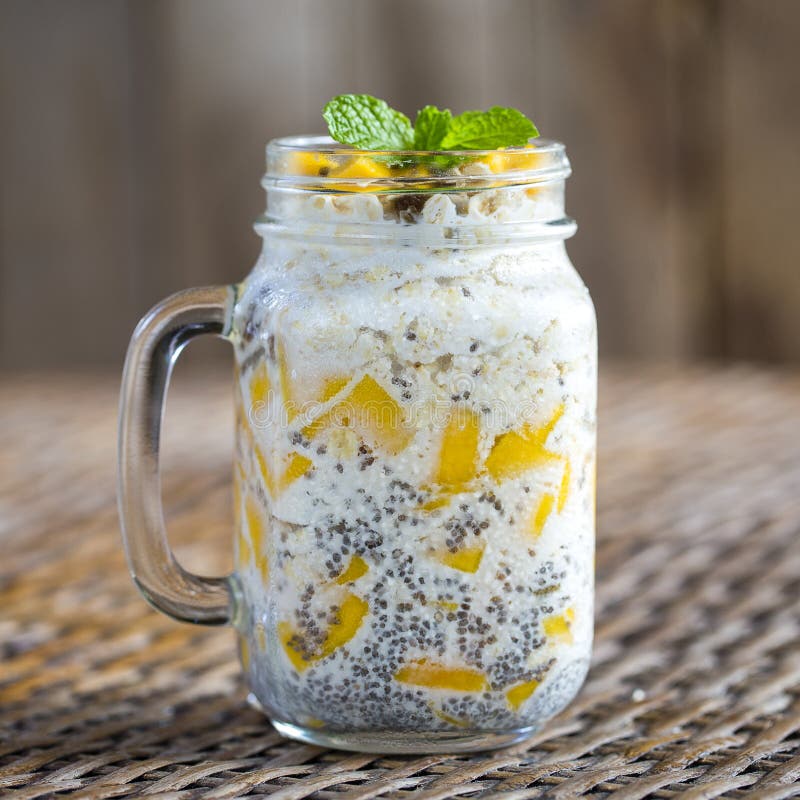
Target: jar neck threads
320 189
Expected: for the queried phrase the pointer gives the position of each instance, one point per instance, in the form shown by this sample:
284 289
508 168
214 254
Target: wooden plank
761 119
696 42
234 80
472 54
154 147
133 138
420 52
609 94
66 274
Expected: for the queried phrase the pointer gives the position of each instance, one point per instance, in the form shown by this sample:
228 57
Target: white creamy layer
504 336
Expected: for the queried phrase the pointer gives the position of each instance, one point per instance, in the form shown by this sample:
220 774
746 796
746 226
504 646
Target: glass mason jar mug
414 467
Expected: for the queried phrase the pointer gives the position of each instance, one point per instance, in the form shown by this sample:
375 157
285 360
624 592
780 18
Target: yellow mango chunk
370 411
297 467
243 552
258 539
262 563
316 426
437 501
506 160
255 524
378 415
558 626
467 559
458 461
541 515
244 652
355 569
450 720
350 616
242 543
369 391
438 676
309 163
266 473
259 384
332 387
518 694
563 490
516 452
458 456
446 605
287 387
364 167
286 636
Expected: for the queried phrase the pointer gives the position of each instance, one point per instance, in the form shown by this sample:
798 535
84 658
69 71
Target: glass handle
154 347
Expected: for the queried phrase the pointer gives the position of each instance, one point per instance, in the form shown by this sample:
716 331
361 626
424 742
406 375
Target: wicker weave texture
695 685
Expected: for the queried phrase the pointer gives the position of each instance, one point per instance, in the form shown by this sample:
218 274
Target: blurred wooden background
133 132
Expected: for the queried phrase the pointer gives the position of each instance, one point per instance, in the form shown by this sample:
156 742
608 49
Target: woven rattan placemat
695 687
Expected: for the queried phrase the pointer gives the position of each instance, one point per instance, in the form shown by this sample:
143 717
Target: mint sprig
431 127
487 130
367 123
363 121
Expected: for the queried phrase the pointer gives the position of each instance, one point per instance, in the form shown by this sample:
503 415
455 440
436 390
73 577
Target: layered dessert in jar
416 377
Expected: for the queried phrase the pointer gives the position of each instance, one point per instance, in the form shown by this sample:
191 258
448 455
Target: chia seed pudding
415 446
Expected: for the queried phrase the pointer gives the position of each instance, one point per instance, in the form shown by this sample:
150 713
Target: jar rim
326 145
289 157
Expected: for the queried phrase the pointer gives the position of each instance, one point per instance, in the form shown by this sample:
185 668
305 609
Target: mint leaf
430 127
487 130
365 122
